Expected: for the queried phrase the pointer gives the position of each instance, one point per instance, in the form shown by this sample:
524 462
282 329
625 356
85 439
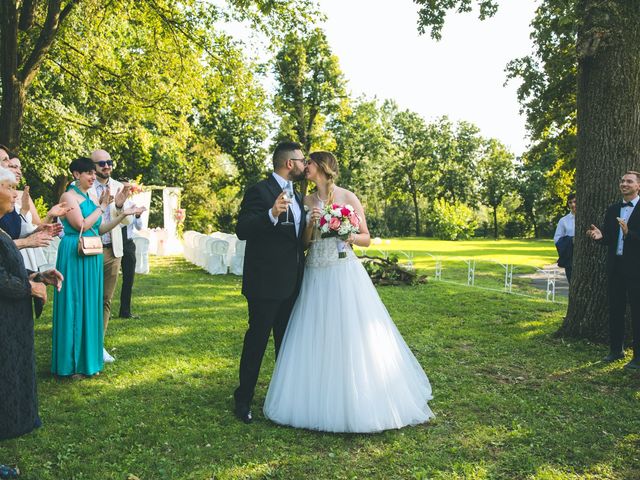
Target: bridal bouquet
339 221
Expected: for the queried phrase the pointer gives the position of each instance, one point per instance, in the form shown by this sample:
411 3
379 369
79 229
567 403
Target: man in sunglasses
112 242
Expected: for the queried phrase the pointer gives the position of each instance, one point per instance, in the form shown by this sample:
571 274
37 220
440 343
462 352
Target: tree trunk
416 208
608 144
495 222
12 113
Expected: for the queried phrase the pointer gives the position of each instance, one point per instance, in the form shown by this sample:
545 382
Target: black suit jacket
274 255
631 248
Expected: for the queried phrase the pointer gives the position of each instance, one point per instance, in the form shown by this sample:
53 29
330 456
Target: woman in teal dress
77 308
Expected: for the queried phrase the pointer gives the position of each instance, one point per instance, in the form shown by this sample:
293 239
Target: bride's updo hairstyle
327 163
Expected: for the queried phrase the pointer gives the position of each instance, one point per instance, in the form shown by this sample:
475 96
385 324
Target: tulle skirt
343 365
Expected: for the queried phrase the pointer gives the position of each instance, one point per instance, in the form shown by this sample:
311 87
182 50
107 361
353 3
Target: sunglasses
104 163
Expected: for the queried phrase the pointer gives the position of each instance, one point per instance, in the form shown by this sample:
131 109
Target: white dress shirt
625 213
295 208
566 227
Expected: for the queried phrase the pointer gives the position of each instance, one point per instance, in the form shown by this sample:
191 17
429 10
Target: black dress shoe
613 356
634 364
245 415
128 315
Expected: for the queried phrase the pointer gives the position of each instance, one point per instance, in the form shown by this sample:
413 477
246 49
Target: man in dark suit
273 263
621 235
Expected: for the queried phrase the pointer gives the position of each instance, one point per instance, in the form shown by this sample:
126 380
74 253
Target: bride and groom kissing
341 364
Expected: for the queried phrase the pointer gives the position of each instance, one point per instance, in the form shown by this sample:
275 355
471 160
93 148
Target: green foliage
432 13
310 87
41 207
451 221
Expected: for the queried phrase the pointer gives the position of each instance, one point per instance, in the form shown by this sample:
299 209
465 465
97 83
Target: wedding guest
12 224
18 399
128 266
4 156
26 202
563 237
77 313
621 234
112 240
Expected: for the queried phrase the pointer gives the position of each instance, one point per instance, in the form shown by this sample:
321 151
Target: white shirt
137 222
566 227
625 213
295 208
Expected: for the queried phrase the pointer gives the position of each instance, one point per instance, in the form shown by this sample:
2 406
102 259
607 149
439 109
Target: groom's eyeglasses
303 160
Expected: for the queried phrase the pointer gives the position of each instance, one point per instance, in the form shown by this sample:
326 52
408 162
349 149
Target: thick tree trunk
12 113
608 144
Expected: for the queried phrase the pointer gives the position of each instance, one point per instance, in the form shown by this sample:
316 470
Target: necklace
328 196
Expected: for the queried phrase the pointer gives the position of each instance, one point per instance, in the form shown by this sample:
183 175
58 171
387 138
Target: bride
343 365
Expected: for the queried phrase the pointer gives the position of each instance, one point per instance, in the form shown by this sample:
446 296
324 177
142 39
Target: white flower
306 209
336 213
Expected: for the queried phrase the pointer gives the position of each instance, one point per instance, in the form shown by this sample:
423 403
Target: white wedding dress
343 366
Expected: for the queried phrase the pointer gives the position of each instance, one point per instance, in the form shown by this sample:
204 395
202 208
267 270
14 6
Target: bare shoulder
346 196
71 197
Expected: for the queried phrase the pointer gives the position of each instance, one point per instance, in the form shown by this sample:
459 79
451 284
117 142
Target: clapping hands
594 233
59 210
122 195
133 210
52 277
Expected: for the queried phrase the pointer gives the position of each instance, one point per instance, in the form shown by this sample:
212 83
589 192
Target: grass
489 257
512 401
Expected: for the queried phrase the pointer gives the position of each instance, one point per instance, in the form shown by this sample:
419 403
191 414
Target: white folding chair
237 262
216 263
142 254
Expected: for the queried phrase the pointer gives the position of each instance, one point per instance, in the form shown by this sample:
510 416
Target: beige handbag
88 246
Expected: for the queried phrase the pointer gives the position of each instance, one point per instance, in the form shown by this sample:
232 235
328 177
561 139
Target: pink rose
345 212
354 220
334 206
323 221
334 224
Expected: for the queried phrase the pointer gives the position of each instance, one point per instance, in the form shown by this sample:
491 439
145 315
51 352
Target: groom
273 264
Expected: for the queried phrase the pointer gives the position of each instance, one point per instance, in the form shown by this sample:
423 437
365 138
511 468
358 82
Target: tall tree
310 86
496 177
28 29
608 116
458 151
412 167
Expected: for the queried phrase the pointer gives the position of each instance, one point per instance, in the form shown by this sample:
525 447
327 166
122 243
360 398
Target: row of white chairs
217 253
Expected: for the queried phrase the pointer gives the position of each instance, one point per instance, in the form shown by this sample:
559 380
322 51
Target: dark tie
627 204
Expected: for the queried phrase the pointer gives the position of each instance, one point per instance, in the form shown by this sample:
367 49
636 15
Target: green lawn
511 401
532 253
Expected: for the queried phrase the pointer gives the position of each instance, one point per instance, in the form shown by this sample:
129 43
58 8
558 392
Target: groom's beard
296 177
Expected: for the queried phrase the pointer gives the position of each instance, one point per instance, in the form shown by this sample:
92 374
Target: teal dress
77 308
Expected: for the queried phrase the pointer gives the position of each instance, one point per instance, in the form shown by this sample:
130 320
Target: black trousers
128 266
264 315
623 287
568 270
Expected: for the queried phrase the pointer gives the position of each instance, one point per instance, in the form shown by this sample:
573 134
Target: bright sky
462 76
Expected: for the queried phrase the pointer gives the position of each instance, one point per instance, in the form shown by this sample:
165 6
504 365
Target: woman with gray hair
18 400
